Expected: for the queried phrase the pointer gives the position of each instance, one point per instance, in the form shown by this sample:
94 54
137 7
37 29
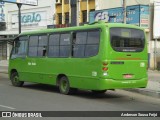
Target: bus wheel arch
14 77
59 77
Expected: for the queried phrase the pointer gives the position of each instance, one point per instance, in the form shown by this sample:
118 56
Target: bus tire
64 86
15 80
99 91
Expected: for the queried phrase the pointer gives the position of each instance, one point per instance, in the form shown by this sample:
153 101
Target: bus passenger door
36 58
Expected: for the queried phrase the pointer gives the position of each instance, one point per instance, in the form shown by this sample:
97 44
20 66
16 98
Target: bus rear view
126 57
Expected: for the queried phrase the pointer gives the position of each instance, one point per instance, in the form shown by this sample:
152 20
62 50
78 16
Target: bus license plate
128 76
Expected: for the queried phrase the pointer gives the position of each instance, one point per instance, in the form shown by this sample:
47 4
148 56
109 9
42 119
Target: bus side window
54 48
20 48
65 43
42 45
92 45
38 46
78 44
33 46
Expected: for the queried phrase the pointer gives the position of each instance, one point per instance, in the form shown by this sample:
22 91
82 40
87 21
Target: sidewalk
3 66
152 89
4 63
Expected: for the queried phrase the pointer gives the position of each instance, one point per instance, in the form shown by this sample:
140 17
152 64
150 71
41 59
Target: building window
59 18
92 10
3 51
58 1
84 14
66 1
67 18
2 24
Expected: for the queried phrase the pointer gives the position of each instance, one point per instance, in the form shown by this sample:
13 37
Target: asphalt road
38 97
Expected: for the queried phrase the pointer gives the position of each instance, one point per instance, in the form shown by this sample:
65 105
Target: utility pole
19 16
155 54
124 11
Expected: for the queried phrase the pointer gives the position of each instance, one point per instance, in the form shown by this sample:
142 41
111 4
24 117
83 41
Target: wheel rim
64 85
16 79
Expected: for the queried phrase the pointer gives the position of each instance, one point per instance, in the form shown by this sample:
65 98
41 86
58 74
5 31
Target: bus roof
98 24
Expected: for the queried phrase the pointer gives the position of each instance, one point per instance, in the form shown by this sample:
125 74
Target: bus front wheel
64 86
15 80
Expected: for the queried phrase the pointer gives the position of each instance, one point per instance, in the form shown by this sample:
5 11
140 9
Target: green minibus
97 57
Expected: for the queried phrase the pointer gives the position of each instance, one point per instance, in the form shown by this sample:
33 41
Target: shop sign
109 15
33 19
133 15
136 15
144 16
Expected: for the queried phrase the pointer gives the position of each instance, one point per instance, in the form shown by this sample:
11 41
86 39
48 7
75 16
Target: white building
32 17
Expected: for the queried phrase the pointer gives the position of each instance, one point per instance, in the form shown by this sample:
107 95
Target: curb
4 69
147 92
4 72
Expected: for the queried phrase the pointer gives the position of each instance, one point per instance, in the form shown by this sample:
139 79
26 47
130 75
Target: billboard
114 15
136 15
133 15
156 26
31 19
27 2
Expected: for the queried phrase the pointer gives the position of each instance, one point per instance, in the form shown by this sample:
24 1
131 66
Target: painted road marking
7 107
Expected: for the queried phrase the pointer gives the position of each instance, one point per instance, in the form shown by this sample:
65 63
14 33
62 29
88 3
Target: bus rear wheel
15 80
99 91
64 86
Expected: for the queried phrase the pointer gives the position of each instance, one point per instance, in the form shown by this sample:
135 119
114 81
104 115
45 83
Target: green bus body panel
80 70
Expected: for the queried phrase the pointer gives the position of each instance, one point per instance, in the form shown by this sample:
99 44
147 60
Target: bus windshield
127 39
